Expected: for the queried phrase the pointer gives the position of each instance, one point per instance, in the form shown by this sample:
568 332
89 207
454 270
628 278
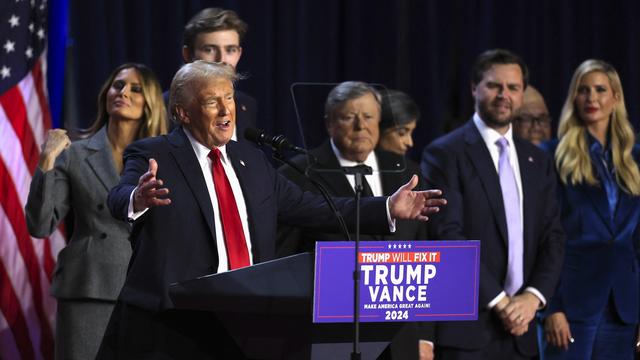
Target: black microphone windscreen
254 135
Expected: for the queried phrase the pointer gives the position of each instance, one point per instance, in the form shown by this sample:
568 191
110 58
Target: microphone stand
359 172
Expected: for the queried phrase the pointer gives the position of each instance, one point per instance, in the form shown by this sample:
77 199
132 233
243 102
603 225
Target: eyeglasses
542 120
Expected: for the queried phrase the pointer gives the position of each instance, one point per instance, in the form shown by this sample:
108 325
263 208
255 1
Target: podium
267 310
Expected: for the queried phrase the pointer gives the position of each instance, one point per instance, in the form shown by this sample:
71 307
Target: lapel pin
244 108
530 159
242 163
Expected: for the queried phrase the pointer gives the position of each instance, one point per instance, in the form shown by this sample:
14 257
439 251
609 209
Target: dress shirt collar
202 151
370 161
489 135
596 147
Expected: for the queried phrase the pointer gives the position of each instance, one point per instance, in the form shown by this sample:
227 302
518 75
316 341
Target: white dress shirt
375 183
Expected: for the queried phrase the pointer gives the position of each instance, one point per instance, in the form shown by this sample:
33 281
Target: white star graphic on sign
29 52
14 21
31 27
395 246
409 246
9 46
40 33
5 72
389 246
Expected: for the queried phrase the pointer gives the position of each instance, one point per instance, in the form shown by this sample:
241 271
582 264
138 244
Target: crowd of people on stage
164 188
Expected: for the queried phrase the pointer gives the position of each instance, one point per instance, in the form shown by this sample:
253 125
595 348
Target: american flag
27 311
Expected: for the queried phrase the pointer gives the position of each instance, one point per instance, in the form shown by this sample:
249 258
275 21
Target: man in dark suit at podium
214 35
501 191
218 212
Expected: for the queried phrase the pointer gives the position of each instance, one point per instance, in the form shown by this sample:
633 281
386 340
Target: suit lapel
333 179
598 197
187 162
100 159
480 158
528 178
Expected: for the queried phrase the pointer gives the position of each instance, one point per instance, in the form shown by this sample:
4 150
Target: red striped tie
234 239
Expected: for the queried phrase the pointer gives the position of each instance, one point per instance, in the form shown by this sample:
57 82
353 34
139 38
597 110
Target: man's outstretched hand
150 192
406 204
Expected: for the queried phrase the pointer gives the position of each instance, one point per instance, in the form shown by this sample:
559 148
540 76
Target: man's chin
499 121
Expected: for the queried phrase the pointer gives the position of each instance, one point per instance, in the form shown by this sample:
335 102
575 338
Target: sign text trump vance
405 280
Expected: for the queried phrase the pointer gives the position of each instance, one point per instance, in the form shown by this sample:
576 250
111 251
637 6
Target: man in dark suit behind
501 191
218 212
352 118
214 35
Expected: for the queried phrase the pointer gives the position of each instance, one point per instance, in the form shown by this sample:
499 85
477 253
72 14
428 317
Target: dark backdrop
423 47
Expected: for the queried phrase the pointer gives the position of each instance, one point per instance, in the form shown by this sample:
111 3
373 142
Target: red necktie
234 240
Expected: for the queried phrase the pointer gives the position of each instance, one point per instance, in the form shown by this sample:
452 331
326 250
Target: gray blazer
94 262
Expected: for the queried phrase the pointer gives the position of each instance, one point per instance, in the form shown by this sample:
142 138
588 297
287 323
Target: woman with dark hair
399 117
76 178
595 311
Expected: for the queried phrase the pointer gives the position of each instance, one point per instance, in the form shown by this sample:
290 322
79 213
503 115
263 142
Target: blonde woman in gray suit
76 178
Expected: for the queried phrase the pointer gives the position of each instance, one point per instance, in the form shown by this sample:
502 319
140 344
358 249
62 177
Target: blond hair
572 155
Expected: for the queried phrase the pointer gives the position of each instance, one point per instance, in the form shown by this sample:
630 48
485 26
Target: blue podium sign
399 281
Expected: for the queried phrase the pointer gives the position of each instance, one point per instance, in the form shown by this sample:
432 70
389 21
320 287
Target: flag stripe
16 112
34 115
13 210
11 153
48 249
38 73
14 317
19 283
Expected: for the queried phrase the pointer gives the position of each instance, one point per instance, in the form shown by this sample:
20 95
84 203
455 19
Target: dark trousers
135 333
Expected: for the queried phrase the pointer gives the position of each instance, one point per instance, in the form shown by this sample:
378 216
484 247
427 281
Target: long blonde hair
572 155
154 117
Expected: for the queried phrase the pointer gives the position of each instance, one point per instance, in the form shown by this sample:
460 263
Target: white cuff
496 300
130 214
392 222
538 294
421 341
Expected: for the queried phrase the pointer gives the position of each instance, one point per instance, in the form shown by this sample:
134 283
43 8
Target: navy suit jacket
601 257
460 164
177 242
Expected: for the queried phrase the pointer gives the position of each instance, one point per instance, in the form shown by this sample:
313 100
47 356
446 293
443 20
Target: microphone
277 142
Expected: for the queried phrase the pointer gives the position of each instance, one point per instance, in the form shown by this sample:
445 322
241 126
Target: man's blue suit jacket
177 242
460 164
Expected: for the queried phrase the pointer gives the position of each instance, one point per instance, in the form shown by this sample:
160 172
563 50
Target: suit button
100 207
103 236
